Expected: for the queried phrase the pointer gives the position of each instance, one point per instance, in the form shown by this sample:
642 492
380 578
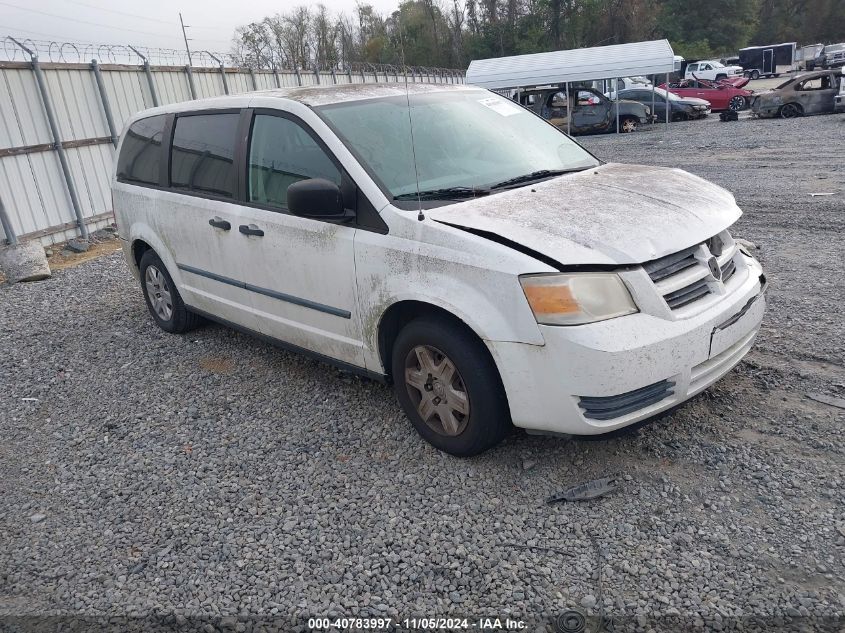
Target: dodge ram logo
715 270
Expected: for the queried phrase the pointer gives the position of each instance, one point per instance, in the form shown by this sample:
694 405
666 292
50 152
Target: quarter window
280 154
202 158
140 153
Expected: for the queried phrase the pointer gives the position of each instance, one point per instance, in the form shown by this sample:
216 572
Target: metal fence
60 121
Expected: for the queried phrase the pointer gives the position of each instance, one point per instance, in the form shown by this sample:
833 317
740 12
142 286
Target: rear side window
280 154
140 153
202 158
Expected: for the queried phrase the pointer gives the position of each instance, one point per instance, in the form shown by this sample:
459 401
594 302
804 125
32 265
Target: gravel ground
210 475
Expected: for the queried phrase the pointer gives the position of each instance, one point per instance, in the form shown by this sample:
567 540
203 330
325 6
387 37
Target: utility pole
187 48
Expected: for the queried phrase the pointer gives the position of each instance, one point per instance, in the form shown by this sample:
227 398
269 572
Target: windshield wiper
449 193
534 175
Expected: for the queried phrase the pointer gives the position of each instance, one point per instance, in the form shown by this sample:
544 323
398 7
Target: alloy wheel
737 103
629 125
159 293
437 390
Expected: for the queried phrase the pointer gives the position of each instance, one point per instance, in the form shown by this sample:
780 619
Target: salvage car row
639 102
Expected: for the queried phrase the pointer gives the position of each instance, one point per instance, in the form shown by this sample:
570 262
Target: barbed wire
80 53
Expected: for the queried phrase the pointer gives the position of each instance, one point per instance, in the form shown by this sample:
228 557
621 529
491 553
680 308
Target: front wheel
737 103
162 298
449 387
755 74
790 111
628 124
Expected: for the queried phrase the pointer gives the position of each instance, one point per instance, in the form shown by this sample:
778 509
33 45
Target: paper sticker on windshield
500 106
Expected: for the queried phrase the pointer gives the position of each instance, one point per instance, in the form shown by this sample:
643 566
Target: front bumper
839 103
615 360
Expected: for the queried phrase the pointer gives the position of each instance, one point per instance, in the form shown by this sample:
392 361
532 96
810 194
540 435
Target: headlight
576 298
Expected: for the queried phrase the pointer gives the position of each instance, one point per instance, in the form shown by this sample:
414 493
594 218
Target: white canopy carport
581 64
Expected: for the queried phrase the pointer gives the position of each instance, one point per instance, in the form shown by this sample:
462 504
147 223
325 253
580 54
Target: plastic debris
587 491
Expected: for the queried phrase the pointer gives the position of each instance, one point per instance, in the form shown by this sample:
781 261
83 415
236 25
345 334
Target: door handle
217 223
251 230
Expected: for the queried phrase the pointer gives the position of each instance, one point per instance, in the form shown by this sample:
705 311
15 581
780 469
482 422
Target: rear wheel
628 124
790 111
162 298
737 103
449 387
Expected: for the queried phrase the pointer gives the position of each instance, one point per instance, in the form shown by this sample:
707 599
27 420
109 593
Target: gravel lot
210 475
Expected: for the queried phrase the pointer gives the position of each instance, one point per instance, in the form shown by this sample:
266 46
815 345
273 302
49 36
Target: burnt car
592 112
680 108
809 93
720 94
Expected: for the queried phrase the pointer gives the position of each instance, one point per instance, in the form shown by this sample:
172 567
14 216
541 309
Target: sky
153 23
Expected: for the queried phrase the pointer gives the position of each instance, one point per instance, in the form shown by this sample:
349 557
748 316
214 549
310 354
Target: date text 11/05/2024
418 624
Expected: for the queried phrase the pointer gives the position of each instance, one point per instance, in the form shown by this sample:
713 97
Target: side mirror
316 198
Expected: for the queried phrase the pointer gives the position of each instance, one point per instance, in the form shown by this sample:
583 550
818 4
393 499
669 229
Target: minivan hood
611 214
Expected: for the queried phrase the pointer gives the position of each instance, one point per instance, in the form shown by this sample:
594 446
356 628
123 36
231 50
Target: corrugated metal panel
23 120
288 79
34 191
208 84
582 64
239 82
91 168
76 103
265 81
128 93
172 86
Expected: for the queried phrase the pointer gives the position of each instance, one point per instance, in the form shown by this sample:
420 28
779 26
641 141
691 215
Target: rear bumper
597 378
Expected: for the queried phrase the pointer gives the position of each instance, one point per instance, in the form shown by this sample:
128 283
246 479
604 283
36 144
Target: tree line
450 33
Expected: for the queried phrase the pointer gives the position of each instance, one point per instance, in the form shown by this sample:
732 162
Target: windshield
717 64
467 139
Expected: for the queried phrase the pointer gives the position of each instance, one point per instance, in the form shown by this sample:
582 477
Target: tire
755 74
162 298
790 111
424 352
737 103
628 124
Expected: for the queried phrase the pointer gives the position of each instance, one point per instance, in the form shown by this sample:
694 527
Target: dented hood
612 214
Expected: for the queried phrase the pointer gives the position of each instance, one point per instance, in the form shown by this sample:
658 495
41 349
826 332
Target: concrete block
25 261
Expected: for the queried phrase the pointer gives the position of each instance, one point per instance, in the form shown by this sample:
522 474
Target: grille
607 408
684 277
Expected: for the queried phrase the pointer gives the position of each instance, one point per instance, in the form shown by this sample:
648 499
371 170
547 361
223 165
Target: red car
722 95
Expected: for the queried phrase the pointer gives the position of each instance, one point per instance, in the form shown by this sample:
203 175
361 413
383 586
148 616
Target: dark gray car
680 108
809 93
592 112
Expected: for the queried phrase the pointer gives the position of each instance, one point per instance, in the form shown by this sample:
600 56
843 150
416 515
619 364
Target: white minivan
445 240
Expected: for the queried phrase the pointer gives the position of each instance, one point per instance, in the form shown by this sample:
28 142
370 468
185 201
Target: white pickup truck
712 70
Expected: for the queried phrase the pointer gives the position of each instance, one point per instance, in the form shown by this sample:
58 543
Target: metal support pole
191 85
653 111
57 143
104 98
149 75
222 72
667 103
616 99
11 236
569 110
225 82
298 77
276 77
254 81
